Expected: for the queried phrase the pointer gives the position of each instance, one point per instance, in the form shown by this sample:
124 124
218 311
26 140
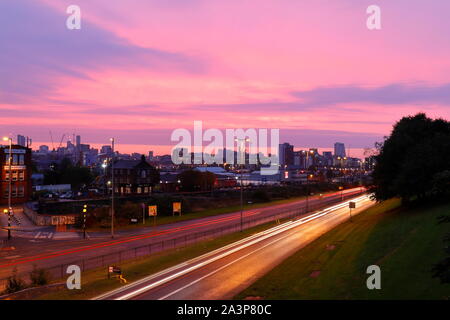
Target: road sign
352 205
152 211
177 208
114 269
60 220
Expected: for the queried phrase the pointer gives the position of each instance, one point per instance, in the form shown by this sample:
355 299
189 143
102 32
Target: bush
39 277
260 196
14 283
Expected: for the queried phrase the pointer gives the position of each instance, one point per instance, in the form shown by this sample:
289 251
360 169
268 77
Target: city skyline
77 140
140 76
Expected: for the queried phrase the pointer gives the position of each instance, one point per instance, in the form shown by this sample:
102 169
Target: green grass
405 243
95 282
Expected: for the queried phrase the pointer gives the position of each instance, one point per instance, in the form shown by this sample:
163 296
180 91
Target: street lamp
112 188
105 166
307 191
9 185
241 143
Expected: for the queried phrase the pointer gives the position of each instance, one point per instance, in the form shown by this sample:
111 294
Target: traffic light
84 220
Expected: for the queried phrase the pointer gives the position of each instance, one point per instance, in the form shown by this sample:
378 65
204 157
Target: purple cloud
389 94
38 49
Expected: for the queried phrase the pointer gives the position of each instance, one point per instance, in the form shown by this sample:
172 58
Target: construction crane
51 137
62 138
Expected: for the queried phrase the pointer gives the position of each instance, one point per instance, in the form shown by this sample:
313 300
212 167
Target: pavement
36 245
225 272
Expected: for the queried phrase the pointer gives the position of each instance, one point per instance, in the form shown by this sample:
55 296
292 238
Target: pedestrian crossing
44 235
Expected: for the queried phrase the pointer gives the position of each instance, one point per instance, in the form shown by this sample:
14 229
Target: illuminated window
20 192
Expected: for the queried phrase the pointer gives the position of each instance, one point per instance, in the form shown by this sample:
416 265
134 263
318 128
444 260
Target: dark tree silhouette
414 160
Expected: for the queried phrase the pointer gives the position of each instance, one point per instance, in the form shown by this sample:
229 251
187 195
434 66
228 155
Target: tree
194 180
412 159
67 173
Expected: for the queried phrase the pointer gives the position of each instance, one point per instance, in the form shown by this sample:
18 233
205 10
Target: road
225 272
44 253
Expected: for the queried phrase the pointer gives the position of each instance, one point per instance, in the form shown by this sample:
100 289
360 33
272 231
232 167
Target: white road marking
270 233
222 267
37 235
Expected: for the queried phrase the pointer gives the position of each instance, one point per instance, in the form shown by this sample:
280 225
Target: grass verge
95 282
404 242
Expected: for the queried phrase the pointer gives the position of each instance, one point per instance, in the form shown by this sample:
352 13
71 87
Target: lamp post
342 192
9 185
112 188
307 191
104 166
241 143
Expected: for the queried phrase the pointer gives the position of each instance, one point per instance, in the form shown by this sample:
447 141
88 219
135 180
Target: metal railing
89 263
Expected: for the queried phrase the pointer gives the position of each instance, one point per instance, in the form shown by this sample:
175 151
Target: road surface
23 253
225 272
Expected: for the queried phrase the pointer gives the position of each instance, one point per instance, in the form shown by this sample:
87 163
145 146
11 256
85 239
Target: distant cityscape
134 171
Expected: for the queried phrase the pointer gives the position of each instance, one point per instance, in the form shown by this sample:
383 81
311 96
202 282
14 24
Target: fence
59 271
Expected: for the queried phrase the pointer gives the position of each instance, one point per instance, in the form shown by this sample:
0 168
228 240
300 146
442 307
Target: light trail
59 253
239 245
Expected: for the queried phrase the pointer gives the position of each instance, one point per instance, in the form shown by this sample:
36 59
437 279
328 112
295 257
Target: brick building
134 177
21 174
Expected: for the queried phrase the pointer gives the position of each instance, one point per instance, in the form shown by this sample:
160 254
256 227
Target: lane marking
116 242
271 234
222 267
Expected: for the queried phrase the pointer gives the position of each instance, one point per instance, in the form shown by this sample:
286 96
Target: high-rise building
339 149
328 158
150 156
78 141
286 154
21 140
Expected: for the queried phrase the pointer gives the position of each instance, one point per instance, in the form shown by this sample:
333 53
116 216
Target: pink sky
139 69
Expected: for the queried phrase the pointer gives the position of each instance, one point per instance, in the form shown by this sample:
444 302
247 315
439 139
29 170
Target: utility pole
241 143
242 203
9 185
112 188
